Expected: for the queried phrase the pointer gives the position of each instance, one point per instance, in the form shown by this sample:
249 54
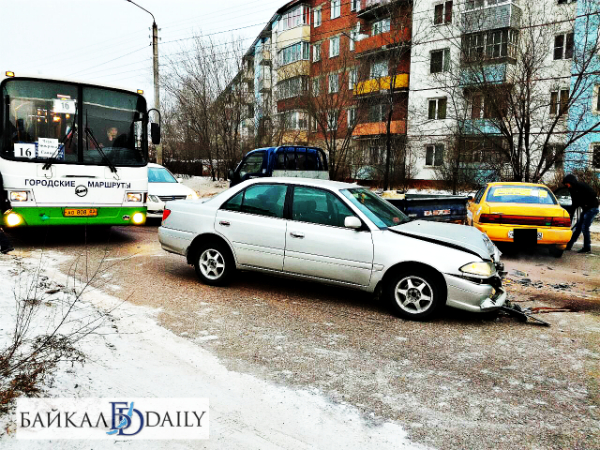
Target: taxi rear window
527 194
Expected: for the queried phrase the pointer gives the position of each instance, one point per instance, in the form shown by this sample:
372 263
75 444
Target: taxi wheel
556 252
214 264
415 294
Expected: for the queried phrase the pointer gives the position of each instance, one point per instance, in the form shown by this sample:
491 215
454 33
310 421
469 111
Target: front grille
168 198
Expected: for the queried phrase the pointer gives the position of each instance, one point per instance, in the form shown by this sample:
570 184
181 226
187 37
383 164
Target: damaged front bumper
475 295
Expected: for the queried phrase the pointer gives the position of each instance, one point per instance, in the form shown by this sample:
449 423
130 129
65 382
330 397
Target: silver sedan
336 233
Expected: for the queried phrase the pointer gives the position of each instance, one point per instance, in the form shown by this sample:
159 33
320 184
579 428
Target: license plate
540 235
88 212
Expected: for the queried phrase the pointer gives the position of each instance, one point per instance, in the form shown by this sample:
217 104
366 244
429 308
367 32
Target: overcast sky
108 41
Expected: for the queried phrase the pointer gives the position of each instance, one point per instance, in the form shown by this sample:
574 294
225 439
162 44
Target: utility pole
155 70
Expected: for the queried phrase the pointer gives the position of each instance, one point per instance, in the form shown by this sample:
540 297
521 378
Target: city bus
72 153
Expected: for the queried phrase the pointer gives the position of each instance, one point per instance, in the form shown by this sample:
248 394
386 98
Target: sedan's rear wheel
214 264
415 295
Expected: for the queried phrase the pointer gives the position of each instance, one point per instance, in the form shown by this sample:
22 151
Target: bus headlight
135 197
138 218
19 196
13 219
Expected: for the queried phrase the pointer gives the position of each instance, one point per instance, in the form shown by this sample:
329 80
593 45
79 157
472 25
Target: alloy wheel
413 294
212 264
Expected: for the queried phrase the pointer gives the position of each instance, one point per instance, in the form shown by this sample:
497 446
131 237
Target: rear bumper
499 233
174 241
470 296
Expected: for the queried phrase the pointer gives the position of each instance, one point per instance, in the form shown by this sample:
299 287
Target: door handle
297 235
224 223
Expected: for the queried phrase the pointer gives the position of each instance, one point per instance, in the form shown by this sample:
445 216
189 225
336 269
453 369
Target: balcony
481 127
379 128
504 15
370 9
382 42
264 84
248 74
479 75
379 84
263 57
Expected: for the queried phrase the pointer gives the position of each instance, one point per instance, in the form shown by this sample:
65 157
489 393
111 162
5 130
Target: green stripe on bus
40 216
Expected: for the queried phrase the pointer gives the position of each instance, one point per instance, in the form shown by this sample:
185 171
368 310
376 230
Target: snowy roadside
131 356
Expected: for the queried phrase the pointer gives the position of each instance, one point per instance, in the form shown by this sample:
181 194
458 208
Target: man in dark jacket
5 245
584 197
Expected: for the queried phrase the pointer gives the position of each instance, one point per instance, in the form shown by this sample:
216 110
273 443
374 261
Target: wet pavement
456 382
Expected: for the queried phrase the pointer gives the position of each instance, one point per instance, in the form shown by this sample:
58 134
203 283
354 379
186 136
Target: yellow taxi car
523 213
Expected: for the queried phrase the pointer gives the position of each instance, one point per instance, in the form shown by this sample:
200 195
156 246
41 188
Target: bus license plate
80 212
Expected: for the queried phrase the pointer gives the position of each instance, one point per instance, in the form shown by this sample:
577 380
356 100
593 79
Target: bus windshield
49 121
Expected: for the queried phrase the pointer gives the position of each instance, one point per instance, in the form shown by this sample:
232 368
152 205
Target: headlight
154 198
480 269
19 196
193 196
135 197
13 219
138 218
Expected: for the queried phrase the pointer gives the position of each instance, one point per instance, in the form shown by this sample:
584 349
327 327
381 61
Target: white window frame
352 78
435 149
285 18
336 85
316 87
437 108
336 7
446 57
351 117
383 64
593 147
316 52
334 46
354 5
332 124
317 17
381 26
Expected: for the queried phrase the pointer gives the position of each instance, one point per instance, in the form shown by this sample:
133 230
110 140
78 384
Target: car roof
156 165
515 183
327 184
285 147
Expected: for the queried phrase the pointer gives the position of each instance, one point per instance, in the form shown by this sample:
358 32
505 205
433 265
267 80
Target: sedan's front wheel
415 294
214 264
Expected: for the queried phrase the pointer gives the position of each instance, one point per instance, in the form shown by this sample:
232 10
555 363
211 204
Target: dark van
285 161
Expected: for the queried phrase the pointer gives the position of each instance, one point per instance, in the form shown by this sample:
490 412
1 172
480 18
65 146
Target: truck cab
283 161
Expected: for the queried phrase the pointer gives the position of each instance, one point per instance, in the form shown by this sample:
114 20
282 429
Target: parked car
525 213
286 161
340 234
164 187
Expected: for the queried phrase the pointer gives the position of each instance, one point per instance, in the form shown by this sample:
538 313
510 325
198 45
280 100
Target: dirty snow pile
130 356
205 186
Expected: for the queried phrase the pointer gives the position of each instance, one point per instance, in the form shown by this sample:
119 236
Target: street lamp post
155 70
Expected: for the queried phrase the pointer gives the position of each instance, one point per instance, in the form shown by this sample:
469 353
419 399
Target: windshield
526 194
160 175
48 121
383 214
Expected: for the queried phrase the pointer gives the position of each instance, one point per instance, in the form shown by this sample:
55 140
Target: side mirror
352 222
470 198
155 133
230 174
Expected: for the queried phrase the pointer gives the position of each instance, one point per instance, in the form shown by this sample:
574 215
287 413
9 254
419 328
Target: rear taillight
166 213
561 222
490 218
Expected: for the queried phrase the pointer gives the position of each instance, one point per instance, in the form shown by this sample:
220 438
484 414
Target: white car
164 187
336 233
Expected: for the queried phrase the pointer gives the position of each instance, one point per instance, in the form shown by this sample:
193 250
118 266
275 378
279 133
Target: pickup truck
434 207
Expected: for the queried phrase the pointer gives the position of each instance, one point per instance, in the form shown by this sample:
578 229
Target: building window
334 46
472 4
352 78
476 106
440 61
379 69
559 102
332 120
317 17
292 87
596 156
295 52
294 17
296 120
434 155
354 5
378 113
317 52
437 108
334 83
381 26
316 87
598 99
335 8
352 41
563 46
442 13
351 117
564 2
554 155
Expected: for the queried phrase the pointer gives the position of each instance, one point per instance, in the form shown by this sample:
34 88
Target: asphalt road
457 382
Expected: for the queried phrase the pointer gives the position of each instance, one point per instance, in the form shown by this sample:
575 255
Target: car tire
214 264
416 294
556 252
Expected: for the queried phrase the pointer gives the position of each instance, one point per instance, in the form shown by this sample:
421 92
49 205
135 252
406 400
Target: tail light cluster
166 214
526 220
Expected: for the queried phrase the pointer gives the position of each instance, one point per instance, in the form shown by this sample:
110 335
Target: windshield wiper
67 137
89 133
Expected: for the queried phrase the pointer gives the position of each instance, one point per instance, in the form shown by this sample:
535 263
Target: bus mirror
155 133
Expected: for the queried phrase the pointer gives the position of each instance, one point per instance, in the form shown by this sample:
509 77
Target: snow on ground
132 356
204 186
